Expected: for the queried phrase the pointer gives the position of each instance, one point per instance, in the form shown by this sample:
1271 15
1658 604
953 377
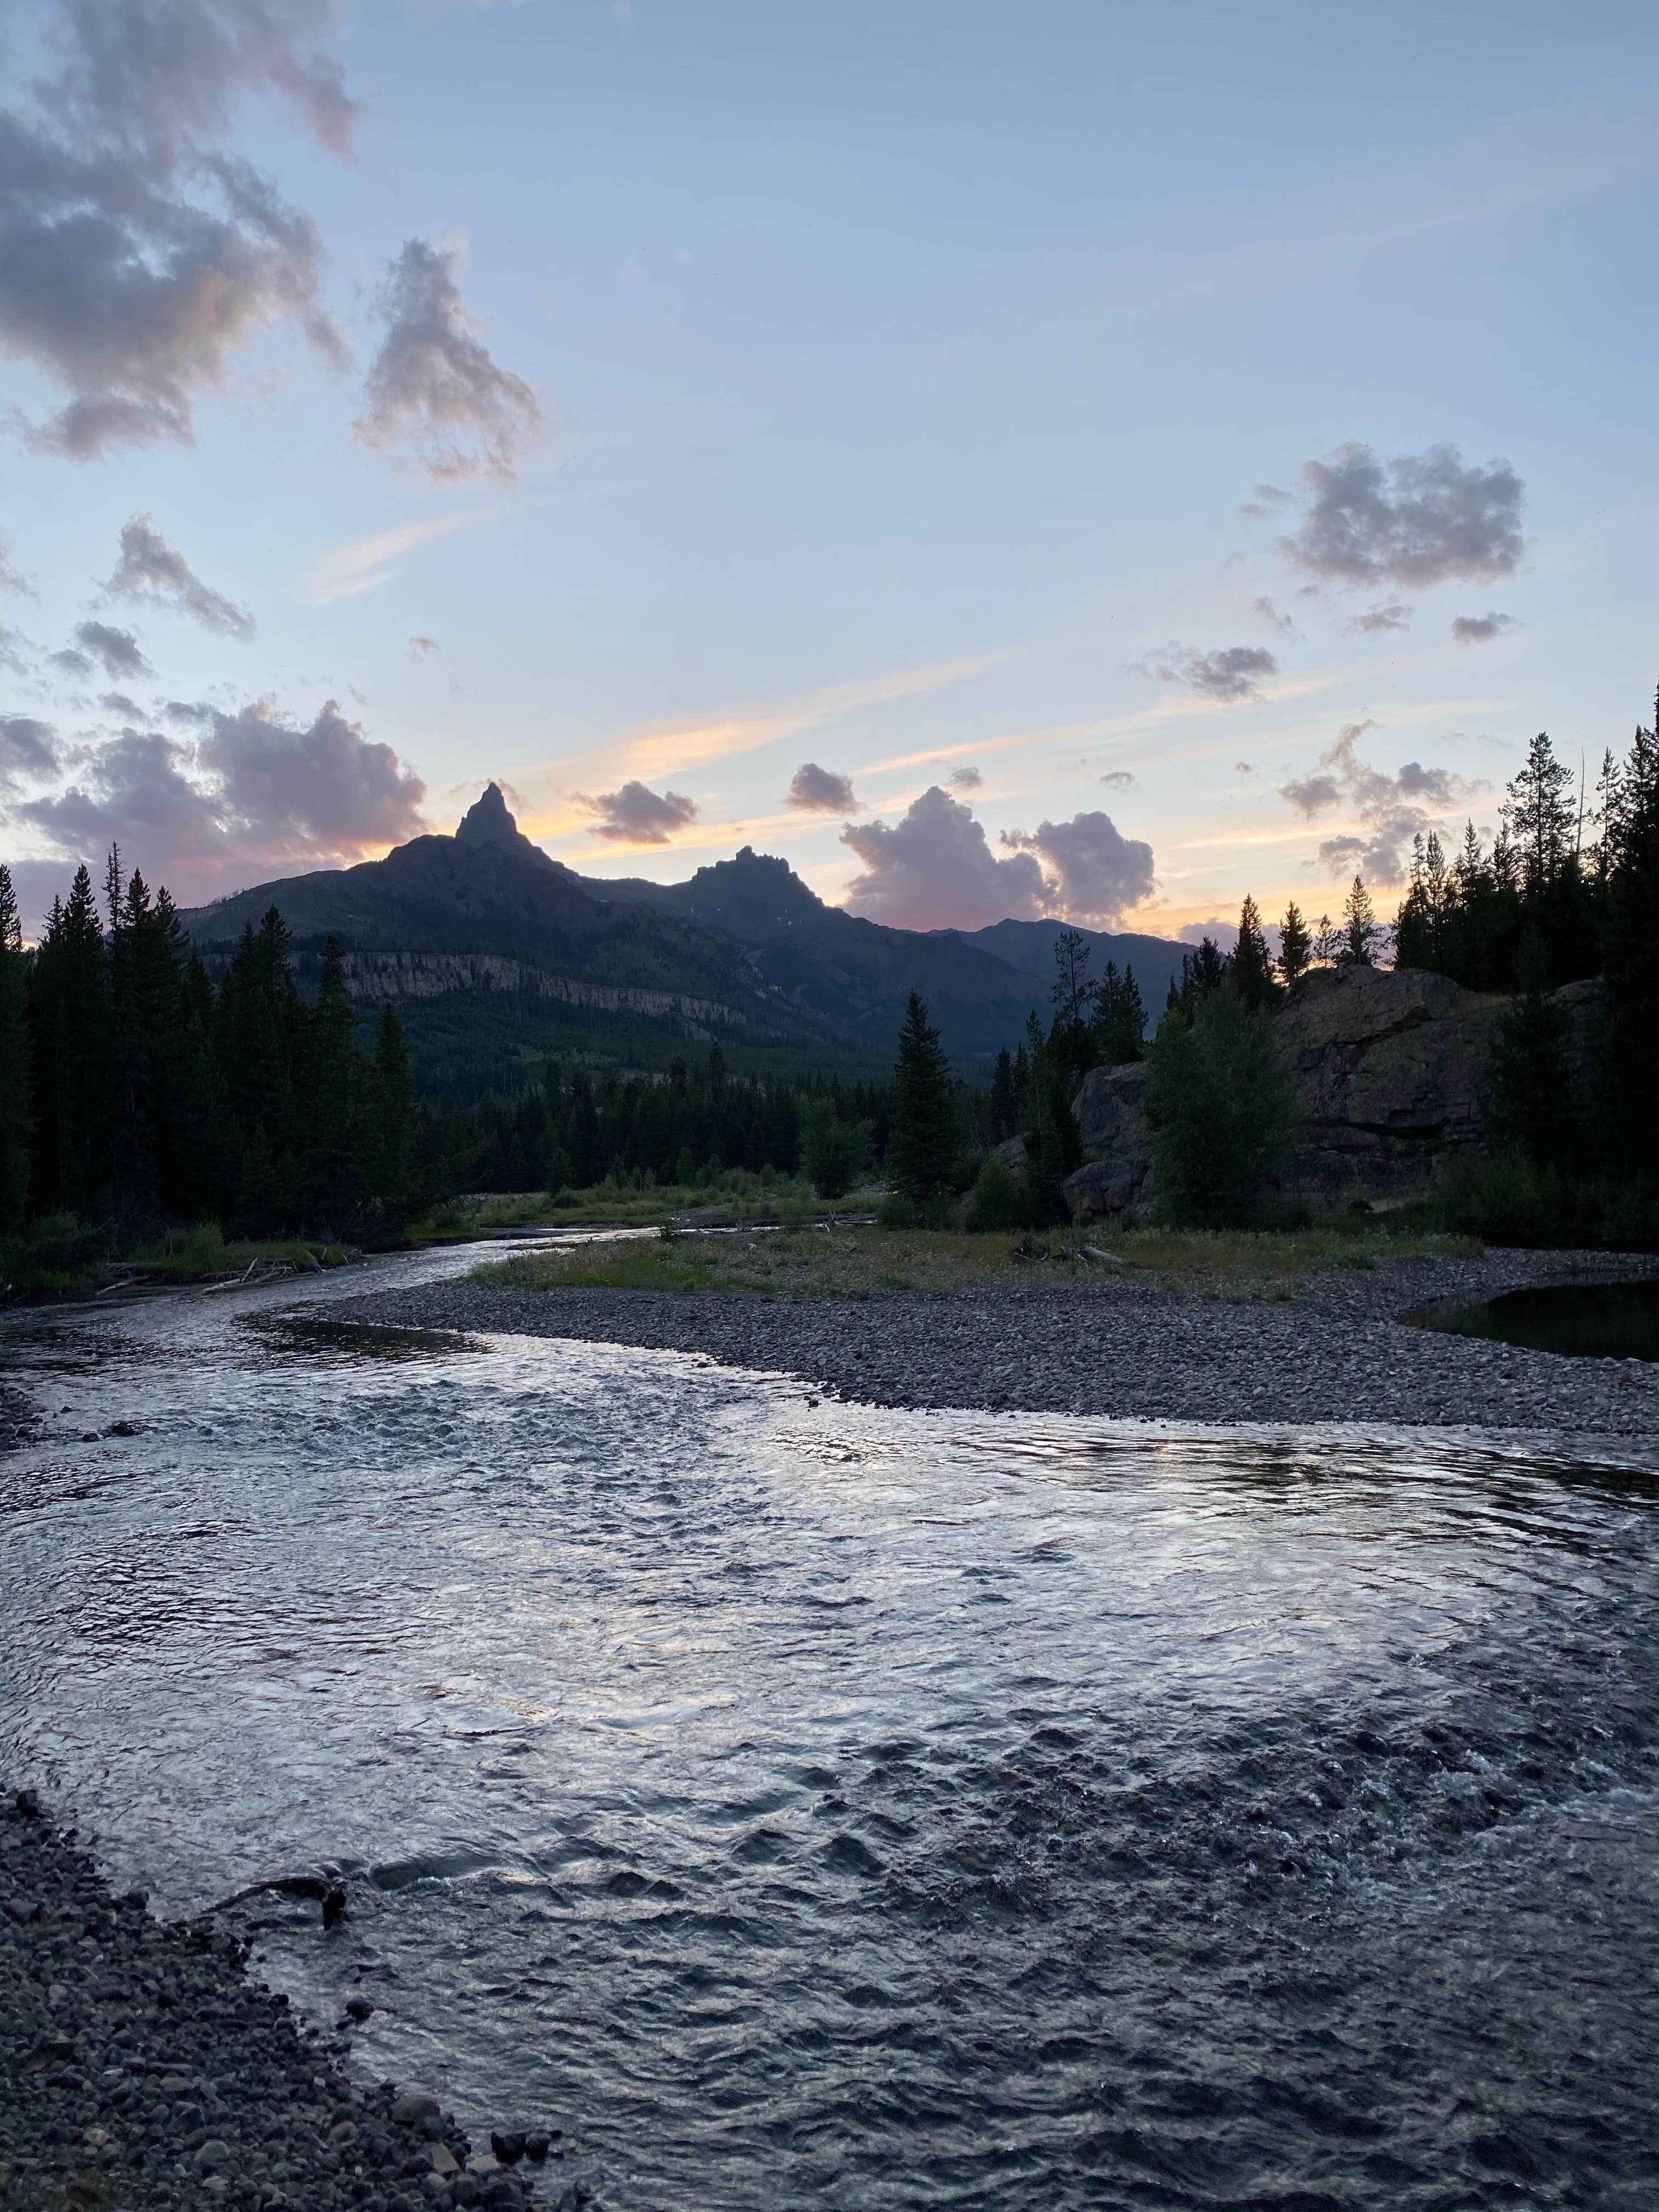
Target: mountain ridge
745 934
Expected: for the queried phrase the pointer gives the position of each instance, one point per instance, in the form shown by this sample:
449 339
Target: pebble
141 2068
1129 1345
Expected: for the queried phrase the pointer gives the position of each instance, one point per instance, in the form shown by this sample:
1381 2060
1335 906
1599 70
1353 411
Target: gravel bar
1122 1346
140 2066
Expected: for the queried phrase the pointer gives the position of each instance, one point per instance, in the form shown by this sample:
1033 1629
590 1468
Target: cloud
1264 499
117 703
434 385
13 646
420 646
936 871
1121 779
27 748
12 579
152 572
1094 871
117 652
1269 613
966 779
1420 519
1230 675
1243 768
1394 615
637 815
1392 809
818 790
254 793
1481 630
363 564
137 252
324 788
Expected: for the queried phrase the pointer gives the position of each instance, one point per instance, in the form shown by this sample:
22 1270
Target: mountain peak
489 821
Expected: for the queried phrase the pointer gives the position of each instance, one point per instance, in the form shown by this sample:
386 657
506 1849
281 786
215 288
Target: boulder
1111 1118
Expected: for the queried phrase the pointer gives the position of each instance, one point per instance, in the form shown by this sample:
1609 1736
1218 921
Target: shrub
832 1152
897 1211
994 1202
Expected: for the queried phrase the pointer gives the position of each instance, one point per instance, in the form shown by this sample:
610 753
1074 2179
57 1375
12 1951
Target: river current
809 1804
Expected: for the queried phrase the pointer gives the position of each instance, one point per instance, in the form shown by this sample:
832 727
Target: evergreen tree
1125 1038
1295 947
390 1146
16 1102
1630 834
832 1152
1362 934
1530 1101
922 1151
1540 819
1217 1108
334 1164
1073 994
70 1035
1004 1099
1251 969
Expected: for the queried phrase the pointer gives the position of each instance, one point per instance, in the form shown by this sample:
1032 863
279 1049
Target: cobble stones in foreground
140 2067
1122 1346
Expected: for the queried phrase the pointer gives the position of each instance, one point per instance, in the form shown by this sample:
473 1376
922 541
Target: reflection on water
809 1805
1595 1320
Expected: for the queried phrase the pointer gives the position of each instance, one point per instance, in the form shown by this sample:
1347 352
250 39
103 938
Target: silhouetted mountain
744 938
856 975
1029 946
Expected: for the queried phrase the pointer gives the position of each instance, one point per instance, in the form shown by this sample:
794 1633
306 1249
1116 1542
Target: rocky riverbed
1122 1345
140 2066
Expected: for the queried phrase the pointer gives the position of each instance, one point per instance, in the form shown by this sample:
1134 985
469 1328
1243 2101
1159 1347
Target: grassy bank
61 1257
737 1199
854 1262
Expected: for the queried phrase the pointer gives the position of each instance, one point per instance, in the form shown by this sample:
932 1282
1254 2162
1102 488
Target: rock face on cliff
1387 1075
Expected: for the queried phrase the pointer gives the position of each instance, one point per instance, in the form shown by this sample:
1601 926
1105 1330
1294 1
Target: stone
358 2008
212 2156
443 2160
435 2189
508 2147
412 2107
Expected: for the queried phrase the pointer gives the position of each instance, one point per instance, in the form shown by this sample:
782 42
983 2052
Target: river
805 1804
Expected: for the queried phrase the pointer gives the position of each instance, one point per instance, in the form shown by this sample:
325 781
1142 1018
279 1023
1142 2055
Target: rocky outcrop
379 976
1387 1070
1111 1118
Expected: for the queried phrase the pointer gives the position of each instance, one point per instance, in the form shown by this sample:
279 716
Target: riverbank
1118 1345
141 2066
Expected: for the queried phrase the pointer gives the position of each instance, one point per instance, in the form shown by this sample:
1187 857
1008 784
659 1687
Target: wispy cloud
668 748
363 564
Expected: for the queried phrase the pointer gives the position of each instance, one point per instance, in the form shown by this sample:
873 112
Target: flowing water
814 1805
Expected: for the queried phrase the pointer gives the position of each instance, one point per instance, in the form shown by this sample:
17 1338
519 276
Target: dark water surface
1596 1321
831 1806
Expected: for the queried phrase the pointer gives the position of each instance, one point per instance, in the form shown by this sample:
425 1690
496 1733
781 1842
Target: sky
1079 458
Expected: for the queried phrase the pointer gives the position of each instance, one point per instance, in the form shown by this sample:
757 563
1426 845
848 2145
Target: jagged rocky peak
489 821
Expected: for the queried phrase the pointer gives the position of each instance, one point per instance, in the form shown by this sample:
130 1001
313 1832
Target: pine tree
1530 1100
1218 1108
70 1033
391 1131
1072 995
334 1177
1251 969
1361 933
922 1148
1295 947
16 1102
1630 936
1126 1036
1004 1099
1538 818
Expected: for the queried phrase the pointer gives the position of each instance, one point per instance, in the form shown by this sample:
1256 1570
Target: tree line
134 1091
